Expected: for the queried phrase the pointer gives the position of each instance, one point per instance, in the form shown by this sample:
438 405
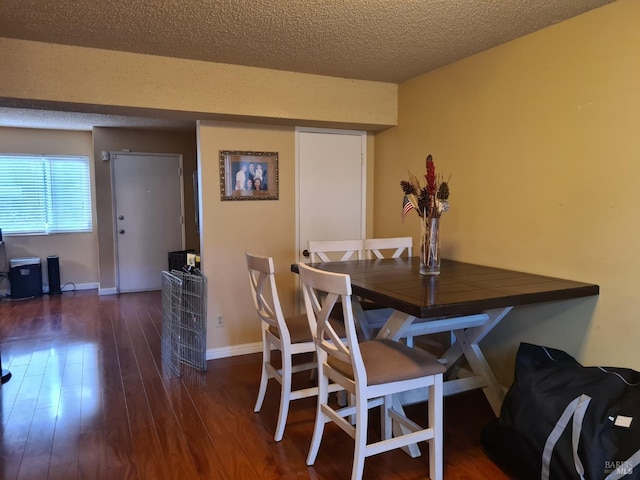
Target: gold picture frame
248 175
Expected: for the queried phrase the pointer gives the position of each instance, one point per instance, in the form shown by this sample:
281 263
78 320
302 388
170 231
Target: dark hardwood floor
89 398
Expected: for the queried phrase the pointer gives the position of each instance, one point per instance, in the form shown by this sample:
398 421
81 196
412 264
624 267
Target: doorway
149 217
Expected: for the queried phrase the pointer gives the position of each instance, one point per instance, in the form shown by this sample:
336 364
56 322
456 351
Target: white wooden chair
335 250
290 335
372 372
340 251
396 246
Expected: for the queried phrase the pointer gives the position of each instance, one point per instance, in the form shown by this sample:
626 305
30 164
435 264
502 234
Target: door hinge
180 171
181 220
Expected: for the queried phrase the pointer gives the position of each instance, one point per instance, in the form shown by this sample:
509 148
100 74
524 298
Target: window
43 195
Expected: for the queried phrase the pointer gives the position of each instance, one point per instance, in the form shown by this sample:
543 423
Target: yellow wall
231 228
129 81
77 252
540 136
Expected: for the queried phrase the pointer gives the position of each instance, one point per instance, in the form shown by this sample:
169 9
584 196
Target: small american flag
407 206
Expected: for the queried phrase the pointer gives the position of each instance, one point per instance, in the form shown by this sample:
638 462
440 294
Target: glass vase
430 246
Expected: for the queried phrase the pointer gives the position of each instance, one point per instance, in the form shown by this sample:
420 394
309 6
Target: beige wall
77 252
231 228
129 82
540 136
140 141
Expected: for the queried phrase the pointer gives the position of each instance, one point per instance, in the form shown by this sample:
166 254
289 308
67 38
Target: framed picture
248 175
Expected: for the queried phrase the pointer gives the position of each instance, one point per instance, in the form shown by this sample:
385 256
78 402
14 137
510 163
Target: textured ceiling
59 120
382 40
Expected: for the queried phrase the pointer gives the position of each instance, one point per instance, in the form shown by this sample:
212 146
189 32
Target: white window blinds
42 195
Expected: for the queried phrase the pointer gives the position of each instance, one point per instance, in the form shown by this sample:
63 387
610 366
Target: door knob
305 253
121 217
121 232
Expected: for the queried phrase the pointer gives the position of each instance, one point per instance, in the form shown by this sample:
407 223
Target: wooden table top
460 289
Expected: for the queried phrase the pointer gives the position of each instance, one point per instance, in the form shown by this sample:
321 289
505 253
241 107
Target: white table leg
467 345
468 331
393 328
479 366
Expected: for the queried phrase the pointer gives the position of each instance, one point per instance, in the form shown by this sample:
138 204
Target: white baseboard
67 287
234 350
108 291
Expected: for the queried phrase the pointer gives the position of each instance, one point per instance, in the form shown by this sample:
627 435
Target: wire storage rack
171 286
184 320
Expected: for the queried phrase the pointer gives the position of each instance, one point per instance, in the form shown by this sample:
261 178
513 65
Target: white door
331 185
148 217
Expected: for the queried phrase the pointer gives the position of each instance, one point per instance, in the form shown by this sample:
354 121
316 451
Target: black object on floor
561 420
53 269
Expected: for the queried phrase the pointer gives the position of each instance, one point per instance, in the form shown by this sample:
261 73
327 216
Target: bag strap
576 411
626 468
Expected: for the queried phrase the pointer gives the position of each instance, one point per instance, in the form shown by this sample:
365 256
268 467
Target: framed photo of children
248 175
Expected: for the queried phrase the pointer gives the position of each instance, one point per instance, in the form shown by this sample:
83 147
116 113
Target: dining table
466 300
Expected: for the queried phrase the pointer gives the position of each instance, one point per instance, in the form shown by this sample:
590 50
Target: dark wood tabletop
460 289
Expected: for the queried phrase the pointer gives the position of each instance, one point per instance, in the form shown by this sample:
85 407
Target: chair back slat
322 291
373 247
265 293
335 250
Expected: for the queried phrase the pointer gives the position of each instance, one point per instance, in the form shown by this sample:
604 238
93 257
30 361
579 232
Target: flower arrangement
430 200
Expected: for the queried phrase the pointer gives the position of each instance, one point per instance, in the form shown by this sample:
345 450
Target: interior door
148 217
331 185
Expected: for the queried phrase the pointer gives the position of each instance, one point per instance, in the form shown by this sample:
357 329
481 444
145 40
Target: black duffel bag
563 421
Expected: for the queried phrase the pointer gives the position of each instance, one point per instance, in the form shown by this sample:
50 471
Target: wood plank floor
89 399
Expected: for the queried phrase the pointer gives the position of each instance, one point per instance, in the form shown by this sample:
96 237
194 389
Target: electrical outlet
220 321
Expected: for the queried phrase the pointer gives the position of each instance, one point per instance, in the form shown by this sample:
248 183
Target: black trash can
25 277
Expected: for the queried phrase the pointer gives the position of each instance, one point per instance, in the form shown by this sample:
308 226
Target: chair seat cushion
300 332
298 326
389 361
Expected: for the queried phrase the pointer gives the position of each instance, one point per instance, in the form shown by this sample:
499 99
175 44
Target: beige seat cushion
300 332
298 326
388 361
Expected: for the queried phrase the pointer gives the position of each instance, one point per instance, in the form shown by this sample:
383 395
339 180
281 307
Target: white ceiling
380 40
